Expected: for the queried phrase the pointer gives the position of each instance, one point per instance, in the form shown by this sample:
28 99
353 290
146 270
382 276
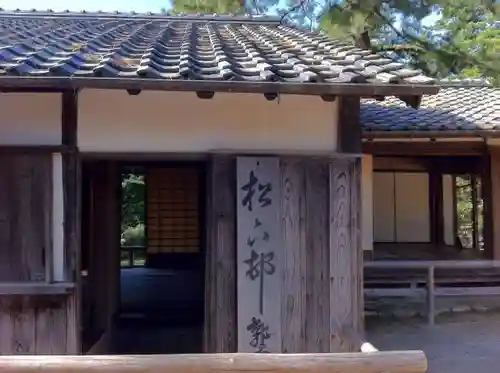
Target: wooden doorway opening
157 255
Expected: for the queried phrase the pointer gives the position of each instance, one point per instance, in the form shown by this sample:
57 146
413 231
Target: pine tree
465 42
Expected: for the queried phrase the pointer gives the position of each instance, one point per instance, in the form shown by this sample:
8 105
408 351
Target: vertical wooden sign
259 260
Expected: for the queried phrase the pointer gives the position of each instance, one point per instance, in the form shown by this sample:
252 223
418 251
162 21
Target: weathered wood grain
220 272
29 323
51 321
293 211
317 336
355 170
23 318
23 206
321 292
346 292
72 183
32 325
394 362
71 189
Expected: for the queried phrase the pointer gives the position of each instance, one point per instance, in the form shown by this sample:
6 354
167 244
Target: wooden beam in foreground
375 362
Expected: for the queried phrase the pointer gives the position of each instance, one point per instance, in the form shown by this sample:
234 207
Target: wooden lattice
173 210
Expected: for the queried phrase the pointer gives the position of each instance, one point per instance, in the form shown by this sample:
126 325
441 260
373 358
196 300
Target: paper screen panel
173 210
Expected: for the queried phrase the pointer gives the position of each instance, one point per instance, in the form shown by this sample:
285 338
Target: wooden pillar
104 263
349 127
346 256
71 192
345 240
487 194
436 206
475 220
367 206
492 206
449 210
220 278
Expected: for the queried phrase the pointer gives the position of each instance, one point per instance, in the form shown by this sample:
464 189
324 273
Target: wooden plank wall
33 325
305 296
29 324
25 216
322 293
322 280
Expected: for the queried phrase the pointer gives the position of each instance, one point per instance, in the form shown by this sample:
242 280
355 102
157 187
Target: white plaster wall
401 207
114 121
448 210
367 202
412 207
30 119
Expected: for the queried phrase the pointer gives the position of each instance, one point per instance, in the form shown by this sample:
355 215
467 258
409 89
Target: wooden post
71 180
367 236
71 189
436 206
349 125
431 297
475 220
104 248
346 257
494 214
317 254
220 270
487 192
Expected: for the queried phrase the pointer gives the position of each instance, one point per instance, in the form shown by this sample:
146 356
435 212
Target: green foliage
468 29
134 236
209 6
133 210
465 210
463 43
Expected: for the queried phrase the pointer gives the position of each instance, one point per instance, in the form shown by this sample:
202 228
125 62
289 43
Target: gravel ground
458 343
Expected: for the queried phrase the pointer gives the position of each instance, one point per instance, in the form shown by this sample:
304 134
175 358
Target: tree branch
429 46
292 9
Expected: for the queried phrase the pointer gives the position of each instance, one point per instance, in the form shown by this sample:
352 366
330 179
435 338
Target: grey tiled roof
462 107
177 47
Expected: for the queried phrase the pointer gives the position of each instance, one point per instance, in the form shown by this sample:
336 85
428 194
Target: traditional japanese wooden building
249 137
413 162
430 197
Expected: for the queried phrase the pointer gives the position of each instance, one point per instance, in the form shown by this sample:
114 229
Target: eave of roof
460 109
409 134
10 83
298 62
147 16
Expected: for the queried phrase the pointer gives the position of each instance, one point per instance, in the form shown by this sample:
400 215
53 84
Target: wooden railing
373 362
134 256
431 290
